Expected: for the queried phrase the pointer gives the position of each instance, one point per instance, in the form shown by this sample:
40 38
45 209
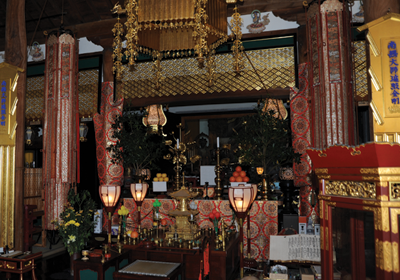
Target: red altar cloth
263 220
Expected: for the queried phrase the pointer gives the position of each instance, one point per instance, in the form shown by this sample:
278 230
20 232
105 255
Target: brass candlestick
119 230
265 187
218 188
177 170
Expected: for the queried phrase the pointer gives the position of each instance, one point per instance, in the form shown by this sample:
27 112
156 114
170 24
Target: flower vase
74 256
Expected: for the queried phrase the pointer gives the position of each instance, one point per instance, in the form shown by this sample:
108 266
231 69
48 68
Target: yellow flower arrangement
123 212
76 221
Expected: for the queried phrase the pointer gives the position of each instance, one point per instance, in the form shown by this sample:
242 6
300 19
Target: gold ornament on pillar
155 118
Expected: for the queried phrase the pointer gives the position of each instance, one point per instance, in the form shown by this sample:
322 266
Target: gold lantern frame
174 28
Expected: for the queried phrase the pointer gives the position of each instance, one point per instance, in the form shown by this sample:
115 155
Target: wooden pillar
374 9
106 43
108 75
16 54
302 44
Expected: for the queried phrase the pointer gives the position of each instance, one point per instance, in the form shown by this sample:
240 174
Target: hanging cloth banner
61 123
109 173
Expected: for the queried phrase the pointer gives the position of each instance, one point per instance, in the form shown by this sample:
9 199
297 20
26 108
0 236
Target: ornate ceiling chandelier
173 28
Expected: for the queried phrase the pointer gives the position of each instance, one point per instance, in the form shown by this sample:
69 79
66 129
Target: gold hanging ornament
185 25
237 46
211 68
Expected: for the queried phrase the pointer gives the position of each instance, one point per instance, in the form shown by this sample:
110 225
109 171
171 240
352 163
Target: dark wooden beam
289 14
248 6
272 33
16 54
377 9
215 98
101 28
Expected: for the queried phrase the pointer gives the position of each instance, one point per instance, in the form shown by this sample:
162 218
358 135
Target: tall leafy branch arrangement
264 141
135 147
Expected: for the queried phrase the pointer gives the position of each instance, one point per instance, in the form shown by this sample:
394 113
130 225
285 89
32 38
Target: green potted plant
136 147
263 140
76 222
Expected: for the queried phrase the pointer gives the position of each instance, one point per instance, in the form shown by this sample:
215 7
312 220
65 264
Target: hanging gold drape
7 176
8 125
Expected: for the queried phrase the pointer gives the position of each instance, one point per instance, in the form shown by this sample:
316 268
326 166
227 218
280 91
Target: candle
217 142
177 143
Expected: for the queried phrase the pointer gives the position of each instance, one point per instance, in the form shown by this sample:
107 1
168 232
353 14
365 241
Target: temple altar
263 219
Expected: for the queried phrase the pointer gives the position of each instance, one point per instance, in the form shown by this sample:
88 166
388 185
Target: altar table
19 264
147 270
224 265
94 269
263 220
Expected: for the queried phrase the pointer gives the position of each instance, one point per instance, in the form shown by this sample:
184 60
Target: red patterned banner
301 135
263 220
61 124
109 173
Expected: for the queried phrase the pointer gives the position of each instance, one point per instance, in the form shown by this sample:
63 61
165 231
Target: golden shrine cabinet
359 208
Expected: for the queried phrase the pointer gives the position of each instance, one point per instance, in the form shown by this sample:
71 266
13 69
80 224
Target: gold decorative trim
322 238
369 202
375 80
326 212
394 191
395 247
387 256
370 178
378 254
394 215
351 189
369 170
381 218
368 208
375 112
324 197
321 211
388 171
331 203
383 198
321 170
324 177
385 219
321 154
382 184
373 45
28 264
326 239
355 152
10 265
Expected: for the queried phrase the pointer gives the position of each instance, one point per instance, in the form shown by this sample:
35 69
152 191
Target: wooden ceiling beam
201 99
101 28
248 6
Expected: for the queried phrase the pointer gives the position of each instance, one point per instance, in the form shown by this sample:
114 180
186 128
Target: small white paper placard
159 186
207 174
98 221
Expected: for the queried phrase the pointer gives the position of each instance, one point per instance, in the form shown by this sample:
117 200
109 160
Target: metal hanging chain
37 25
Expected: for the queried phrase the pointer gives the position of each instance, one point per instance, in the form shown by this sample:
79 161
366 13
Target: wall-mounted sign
8 102
390 71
